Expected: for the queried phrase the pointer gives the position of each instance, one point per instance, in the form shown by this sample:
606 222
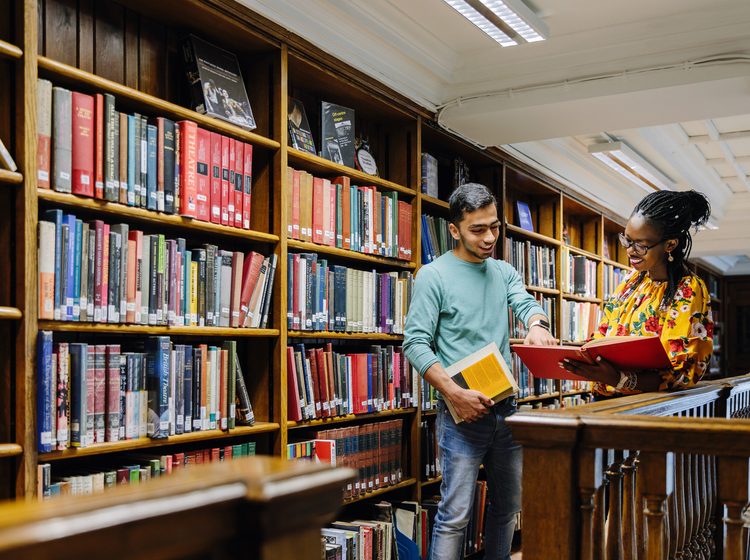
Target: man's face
477 233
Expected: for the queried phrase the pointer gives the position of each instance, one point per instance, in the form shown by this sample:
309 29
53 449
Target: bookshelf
716 289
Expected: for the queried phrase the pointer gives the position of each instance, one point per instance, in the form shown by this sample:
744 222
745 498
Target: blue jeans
463 448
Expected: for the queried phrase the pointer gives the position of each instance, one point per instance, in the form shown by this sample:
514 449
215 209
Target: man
460 304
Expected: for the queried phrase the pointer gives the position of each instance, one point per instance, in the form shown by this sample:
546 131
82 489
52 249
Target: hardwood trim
541 290
147 443
151 217
382 415
60 70
346 254
380 491
10 313
10 177
429 481
587 254
10 450
226 332
322 165
531 235
537 398
9 50
575 297
605 260
346 335
433 202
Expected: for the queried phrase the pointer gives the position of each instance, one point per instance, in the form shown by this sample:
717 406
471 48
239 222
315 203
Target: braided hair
672 214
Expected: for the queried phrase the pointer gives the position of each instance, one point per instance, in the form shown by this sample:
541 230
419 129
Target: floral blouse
685 326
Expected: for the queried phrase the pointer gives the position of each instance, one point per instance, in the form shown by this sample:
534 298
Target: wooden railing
658 475
259 508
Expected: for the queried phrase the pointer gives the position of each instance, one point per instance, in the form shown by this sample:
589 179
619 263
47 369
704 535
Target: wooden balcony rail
261 508
650 476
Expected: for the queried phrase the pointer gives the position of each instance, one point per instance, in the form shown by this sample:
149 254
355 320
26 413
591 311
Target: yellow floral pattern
685 326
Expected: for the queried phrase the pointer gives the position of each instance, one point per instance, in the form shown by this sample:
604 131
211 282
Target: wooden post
589 481
614 516
657 472
733 496
629 509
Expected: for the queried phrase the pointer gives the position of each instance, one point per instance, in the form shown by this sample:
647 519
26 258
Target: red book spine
250 274
230 186
105 274
403 233
239 178
225 172
407 230
293 408
113 392
159 163
317 229
346 220
188 161
325 397
215 178
247 193
295 293
100 392
315 378
331 213
99 147
203 197
83 144
43 160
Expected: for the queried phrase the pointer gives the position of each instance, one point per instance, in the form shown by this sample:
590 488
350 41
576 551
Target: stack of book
89 148
579 320
612 278
578 274
97 272
431 467
436 238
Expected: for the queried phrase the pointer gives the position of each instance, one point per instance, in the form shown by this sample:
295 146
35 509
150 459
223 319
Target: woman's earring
670 258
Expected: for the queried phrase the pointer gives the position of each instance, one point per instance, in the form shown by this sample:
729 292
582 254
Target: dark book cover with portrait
337 133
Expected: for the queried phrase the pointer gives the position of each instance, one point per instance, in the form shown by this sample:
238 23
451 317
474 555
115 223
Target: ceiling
669 77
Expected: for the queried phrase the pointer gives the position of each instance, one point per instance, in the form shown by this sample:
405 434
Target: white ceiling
669 77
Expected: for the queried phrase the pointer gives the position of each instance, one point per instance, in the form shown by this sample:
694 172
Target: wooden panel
151 57
61 31
132 31
109 59
6 21
86 37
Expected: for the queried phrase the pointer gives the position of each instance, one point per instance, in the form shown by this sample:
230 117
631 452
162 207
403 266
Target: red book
98 147
322 382
295 194
404 231
203 155
234 306
315 378
100 392
325 451
624 352
293 411
225 173
105 274
250 274
331 226
113 393
83 144
188 162
160 163
239 179
317 203
328 355
247 192
215 178
230 185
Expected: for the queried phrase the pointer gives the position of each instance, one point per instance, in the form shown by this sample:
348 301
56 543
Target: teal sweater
459 307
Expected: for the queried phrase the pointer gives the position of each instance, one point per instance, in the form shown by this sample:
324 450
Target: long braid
673 213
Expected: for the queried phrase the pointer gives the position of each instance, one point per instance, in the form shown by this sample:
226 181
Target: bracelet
628 380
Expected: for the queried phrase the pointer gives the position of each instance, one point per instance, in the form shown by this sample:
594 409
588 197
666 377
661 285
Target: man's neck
461 253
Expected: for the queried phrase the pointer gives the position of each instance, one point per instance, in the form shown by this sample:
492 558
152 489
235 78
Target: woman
660 297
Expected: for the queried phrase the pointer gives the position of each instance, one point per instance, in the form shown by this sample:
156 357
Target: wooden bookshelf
347 255
10 177
407 483
9 50
516 231
430 481
541 290
10 450
432 203
324 422
576 297
346 336
589 255
10 313
155 330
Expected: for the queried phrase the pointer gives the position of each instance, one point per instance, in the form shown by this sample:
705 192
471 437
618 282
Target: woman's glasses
639 249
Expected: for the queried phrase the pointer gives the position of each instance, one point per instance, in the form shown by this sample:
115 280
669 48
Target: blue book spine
56 217
152 203
188 387
158 358
70 220
78 393
131 160
44 408
77 271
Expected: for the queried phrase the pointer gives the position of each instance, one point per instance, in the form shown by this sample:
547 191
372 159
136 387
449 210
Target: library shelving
715 284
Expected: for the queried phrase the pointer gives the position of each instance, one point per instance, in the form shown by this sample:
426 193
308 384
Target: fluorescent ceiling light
631 165
509 22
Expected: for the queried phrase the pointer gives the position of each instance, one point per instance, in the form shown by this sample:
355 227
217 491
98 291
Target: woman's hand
602 371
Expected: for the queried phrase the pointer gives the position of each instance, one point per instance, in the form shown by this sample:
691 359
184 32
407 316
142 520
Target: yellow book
485 371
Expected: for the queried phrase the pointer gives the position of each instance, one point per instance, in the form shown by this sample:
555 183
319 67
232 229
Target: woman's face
643 236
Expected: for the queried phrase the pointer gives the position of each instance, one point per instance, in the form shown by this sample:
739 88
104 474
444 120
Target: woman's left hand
602 371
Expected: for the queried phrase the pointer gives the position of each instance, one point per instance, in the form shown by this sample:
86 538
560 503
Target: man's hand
540 336
470 405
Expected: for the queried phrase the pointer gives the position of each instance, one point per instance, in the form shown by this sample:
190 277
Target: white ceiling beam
714 134
719 137
721 161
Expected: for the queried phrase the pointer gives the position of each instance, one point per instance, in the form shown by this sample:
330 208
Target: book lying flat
485 371
624 352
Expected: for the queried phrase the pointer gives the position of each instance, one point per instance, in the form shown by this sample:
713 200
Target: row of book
528 385
535 263
611 278
95 393
428 395
579 320
138 469
518 328
322 383
335 213
326 297
436 238
89 148
97 272
430 456
578 274
361 539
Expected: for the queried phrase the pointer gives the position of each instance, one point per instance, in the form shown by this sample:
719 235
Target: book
216 82
524 215
337 133
300 135
6 160
44 132
485 371
624 352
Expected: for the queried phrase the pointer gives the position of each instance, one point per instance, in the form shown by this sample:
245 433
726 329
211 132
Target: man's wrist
543 323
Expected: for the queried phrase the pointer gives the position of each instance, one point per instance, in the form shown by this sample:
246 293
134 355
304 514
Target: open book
485 371
624 352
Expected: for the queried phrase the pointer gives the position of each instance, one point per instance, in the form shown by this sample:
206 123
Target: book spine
45 405
158 368
111 150
203 181
62 396
62 139
152 202
188 161
44 133
123 132
98 146
46 270
78 395
82 144
112 407
215 177
169 158
248 185
239 180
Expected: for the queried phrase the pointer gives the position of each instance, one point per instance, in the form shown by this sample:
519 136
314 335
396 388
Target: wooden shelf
323 422
575 297
537 398
616 263
151 217
541 290
429 481
587 254
10 177
9 50
226 332
431 412
433 202
346 254
577 392
345 335
531 235
10 450
157 105
10 313
321 165
380 491
147 443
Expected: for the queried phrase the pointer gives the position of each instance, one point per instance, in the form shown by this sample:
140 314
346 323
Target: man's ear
454 231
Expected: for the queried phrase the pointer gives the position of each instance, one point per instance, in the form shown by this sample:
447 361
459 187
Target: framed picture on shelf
524 215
